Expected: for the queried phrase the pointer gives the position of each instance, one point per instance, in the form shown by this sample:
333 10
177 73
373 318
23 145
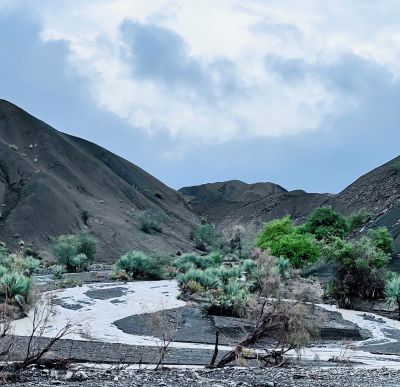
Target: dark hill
377 191
48 180
216 201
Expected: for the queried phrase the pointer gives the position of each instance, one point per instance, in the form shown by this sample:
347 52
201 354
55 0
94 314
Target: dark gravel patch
185 324
254 377
107 293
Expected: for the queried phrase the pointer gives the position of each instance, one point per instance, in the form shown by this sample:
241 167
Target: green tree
299 249
283 239
273 231
324 222
382 239
360 270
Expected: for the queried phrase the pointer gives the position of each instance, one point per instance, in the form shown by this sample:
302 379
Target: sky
305 94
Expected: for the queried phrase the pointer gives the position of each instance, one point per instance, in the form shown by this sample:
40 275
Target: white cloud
242 33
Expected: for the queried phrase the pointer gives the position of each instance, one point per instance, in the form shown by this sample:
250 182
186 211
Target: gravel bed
217 378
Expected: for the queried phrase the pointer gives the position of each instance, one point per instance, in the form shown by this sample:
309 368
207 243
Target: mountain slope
377 191
49 179
216 201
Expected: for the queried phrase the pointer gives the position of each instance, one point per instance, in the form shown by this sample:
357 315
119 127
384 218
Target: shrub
230 300
283 266
192 287
15 287
357 219
120 275
206 278
324 223
273 231
65 248
149 220
80 262
192 260
392 292
248 265
360 270
21 264
140 266
57 271
299 249
226 274
86 244
382 239
31 265
264 278
204 236
69 251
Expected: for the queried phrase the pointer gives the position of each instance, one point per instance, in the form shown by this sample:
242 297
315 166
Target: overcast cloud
303 93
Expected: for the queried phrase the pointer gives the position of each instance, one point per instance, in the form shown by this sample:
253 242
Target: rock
81 375
54 374
68 375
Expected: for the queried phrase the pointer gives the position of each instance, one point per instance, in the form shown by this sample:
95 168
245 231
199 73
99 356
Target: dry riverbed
123 323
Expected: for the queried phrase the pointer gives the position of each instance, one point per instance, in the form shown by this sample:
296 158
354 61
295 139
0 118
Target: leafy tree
382 239
325 223
273 231
360 270
283 239
299 249
392 292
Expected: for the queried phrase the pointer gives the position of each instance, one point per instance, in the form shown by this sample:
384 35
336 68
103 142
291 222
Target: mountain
218 200
377 191
52 183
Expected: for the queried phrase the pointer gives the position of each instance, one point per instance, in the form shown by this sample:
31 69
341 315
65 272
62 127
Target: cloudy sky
302 93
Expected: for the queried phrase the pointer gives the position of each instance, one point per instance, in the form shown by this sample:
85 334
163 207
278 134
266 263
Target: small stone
81 375
68 375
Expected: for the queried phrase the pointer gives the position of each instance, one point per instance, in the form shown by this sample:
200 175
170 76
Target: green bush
15 287
192 260
69 251
248 265
80 262
149 220
19 263
357 219
86 244
392 292
273 231
205 237
299 249
360 270
283 266
140 266
324 222
382 239
206 278
230 300
57 271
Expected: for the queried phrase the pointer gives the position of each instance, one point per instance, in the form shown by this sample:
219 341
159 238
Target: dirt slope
47 179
